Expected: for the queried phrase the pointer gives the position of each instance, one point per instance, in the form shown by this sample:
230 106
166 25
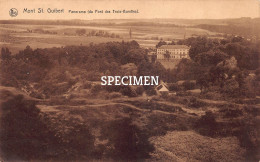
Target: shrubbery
188 85
126 141
232 113
96 88
246 129
23 134
207 124
150 92
249 138
140 90
197 103
128 91
28 135
174 87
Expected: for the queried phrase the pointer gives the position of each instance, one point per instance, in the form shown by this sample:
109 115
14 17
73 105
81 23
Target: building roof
162 87
173 47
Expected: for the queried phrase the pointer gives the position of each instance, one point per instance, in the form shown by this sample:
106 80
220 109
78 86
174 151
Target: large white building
172 52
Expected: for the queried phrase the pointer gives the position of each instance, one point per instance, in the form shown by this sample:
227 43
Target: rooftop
173 47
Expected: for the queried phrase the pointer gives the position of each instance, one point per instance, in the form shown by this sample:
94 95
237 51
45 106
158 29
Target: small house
162 89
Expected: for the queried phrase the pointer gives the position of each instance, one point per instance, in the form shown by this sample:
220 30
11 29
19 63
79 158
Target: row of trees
47 67
213 62
99 33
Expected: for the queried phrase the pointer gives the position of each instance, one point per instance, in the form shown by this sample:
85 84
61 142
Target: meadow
17 36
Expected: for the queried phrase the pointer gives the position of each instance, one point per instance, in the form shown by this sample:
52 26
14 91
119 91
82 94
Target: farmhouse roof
162 87
173 47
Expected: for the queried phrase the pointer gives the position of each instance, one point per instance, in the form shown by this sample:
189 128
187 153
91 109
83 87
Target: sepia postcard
130 80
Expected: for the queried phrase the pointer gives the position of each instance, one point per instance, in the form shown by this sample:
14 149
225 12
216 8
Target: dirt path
56 108
198 112
214 101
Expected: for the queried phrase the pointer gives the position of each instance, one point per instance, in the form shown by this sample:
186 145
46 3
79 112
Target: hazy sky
187 9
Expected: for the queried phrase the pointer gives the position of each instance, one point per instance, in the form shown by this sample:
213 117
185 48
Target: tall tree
167 55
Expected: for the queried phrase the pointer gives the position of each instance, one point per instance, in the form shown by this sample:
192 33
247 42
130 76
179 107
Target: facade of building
172 52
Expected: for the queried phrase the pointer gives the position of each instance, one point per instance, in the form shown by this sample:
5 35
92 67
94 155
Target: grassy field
16 37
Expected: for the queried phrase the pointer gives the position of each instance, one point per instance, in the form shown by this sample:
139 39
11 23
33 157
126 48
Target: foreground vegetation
68 115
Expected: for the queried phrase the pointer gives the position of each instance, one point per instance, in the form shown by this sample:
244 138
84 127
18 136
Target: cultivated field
16 37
